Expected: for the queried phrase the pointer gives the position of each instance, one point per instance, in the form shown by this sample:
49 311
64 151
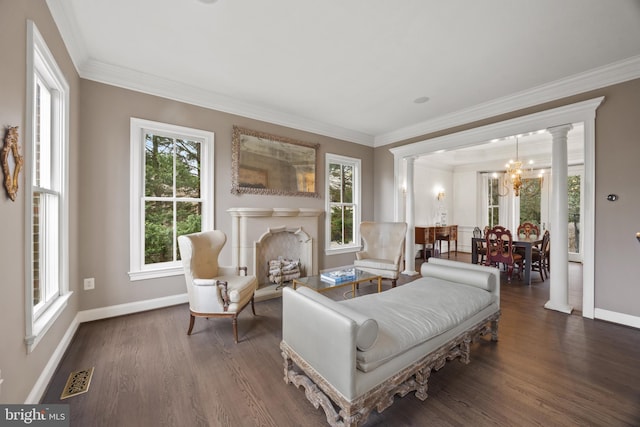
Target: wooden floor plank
547 368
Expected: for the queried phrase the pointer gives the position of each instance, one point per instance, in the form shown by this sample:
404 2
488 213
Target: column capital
561 130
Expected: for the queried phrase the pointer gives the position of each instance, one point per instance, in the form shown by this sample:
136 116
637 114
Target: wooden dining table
526 243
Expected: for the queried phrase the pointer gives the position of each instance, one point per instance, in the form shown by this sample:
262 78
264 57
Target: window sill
156 273
345 250
46 320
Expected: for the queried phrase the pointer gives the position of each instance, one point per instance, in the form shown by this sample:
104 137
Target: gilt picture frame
12 162
268 164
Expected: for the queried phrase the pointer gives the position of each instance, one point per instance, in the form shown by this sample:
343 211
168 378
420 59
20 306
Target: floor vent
77 383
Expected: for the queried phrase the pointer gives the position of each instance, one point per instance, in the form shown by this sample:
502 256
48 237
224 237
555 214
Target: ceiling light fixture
513 173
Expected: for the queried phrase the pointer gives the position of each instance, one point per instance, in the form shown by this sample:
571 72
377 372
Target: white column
559 289
410 241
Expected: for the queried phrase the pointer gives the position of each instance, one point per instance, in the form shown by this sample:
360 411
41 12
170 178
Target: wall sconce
440 195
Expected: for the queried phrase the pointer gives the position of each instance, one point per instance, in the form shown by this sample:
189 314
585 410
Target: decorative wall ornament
272 165
11 161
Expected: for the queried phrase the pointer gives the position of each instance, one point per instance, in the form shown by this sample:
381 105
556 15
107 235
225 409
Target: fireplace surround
261 234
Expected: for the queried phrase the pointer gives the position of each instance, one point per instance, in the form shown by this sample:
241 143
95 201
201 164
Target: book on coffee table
339 276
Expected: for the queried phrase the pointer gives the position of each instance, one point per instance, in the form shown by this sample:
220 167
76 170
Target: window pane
187 168
38 296
42 136
158 166
348 225
45 247
574 213
335 183
495 191
494 216
347 183
158 232
188 217
336 225
530 200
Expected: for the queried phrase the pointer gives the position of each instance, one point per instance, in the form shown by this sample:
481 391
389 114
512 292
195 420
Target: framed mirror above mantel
272 165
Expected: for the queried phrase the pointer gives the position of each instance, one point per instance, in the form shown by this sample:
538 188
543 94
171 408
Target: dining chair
481 247
499 243
527 229
539 256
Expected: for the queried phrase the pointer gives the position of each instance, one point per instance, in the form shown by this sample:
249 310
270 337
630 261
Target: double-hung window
493 198
46 169
343 203
171 193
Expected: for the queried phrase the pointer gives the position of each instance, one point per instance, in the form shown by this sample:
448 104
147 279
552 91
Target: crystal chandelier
514 172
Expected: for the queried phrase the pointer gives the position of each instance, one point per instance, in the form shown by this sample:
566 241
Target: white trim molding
617 72
88 68
615 317
584 112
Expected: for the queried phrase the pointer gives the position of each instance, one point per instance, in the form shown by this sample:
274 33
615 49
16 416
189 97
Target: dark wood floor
547 369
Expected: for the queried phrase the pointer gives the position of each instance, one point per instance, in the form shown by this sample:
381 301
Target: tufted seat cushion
411 314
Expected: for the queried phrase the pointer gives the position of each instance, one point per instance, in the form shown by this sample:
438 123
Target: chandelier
514 172
512 177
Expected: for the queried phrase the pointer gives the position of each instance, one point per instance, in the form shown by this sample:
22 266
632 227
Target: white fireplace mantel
249 225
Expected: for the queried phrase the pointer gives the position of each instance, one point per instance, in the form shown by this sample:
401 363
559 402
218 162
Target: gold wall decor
11 161
272 165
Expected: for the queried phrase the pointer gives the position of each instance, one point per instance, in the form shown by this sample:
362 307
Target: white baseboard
41 384
47 373
131 307
615 317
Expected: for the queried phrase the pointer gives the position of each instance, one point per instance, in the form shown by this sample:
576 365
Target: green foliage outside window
530 194
341 203
172 195
494 209
574 212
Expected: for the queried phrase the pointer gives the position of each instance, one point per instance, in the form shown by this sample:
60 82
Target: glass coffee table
317 284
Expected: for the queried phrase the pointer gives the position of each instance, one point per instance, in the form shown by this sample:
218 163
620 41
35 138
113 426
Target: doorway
582 112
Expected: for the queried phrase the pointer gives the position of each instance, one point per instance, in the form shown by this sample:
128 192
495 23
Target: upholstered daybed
357 354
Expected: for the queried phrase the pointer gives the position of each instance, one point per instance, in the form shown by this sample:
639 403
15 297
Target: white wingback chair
214 290
383 249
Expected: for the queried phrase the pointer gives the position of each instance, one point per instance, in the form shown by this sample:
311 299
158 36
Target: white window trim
357 163
39 57
137 269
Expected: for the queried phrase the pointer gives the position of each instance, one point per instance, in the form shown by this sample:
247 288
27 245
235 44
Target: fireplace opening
282 254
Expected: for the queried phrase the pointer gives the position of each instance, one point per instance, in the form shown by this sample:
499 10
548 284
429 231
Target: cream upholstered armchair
214 290
383 249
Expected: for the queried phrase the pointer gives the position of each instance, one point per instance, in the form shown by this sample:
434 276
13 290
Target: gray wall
20 371
99 192
104 188
617 252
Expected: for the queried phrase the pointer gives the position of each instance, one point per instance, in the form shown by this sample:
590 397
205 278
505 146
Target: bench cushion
414 313
480 279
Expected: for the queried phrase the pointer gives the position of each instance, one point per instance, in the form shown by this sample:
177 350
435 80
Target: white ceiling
352 69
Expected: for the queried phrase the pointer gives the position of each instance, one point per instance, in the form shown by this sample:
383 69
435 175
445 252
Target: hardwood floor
547 369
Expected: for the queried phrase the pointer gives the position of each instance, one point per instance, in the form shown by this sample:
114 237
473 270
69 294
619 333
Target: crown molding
596 78
159 86
69 31
91 69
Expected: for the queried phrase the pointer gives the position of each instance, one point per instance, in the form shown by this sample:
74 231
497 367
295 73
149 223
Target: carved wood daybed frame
412 378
